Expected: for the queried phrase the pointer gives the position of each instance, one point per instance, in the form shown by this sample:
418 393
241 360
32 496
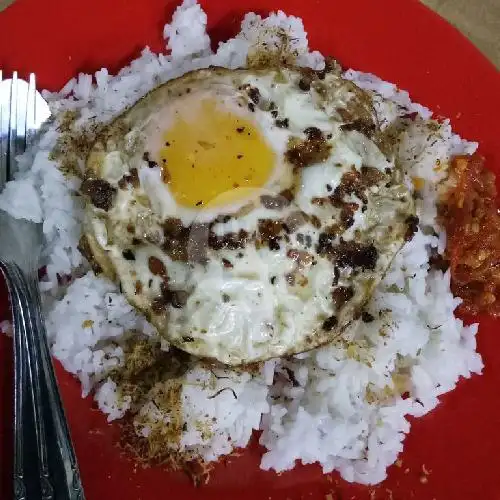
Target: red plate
399 40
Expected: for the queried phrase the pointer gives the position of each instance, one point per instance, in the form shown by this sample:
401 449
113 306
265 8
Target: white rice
6 327
327 417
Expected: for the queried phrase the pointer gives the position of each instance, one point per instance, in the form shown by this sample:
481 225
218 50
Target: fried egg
248 213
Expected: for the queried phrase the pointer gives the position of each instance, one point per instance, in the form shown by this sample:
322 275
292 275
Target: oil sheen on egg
212 151
248 213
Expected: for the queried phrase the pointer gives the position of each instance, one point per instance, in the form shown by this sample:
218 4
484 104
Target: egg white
248 310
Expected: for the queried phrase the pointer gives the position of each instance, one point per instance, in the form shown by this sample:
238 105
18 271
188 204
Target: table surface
479 21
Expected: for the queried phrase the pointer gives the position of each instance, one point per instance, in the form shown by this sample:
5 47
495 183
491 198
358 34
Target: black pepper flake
187 338
150 283
225 298
412 222
329 188
199 203
291 377
367 317
254 94
273 280
274 113
313 133
223 218
336 276
167 144
251 106
282 123
325 243
221 391
128 254
149 161
240 130
227 263
239 157
304 84
274 244
330 323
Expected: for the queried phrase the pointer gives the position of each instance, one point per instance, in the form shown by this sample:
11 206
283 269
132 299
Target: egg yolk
214 157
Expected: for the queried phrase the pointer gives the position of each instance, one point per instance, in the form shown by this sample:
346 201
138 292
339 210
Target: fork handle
66 475
58 474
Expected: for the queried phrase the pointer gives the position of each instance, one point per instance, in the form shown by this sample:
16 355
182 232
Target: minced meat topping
100 192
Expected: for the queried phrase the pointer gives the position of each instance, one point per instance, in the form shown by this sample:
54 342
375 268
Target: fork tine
12 126
4 132
21 112
31 110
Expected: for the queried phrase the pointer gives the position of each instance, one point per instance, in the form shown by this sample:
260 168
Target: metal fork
45 465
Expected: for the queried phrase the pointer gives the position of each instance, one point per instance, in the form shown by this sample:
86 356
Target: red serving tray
399 40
